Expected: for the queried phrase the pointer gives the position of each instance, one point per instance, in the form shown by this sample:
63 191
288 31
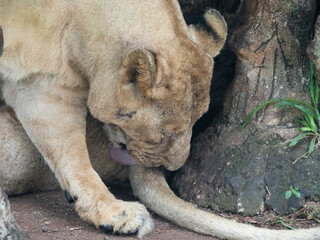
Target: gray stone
9 229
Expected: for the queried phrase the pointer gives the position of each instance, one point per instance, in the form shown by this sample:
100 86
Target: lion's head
161 95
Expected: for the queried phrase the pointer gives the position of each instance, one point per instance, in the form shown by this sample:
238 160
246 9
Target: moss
232 175
205 201
235 161
225 202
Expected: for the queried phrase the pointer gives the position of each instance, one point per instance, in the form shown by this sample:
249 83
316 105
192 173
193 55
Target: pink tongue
121 156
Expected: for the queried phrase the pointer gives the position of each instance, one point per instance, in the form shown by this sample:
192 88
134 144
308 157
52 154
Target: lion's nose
123 146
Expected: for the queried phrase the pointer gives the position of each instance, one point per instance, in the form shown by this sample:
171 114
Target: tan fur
149 185
62 57
134 64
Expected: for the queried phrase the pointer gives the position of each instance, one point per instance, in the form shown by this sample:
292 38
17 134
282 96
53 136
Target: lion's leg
21 167
57 125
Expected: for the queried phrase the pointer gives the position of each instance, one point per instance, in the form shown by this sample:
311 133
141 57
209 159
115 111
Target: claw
133 232
107 228
68 197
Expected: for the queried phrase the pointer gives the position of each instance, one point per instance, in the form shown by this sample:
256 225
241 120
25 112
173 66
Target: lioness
139 69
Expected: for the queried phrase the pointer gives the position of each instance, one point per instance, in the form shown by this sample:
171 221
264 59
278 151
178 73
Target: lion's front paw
120 217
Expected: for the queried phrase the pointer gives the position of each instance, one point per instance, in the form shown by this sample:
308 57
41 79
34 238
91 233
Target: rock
9 229
247 177
313 49
249 171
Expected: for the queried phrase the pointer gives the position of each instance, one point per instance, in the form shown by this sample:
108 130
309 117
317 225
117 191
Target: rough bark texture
9 229
249 171
314 48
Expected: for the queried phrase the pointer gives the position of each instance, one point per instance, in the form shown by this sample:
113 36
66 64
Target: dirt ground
48 216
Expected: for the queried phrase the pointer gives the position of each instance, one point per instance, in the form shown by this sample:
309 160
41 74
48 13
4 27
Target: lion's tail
150 186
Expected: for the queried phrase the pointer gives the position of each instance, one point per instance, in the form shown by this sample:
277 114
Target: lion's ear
210 33
1 41
139 70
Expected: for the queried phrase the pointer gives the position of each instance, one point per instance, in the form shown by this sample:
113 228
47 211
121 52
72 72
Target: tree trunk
250 170
314 48
9 229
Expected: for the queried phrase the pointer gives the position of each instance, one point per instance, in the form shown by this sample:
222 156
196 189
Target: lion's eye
132 81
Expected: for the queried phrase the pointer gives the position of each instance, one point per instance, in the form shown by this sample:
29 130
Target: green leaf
284 224
296 105
288 194
311 122
312 93
290 102
313 87
288 226
306 129
307 118
317 93
318 117
296 193
312 144
303 123
298 138
311 70
298 102
256 110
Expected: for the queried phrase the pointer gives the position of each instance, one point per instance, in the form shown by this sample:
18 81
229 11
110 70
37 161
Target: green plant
314 212
280 220
294 191
309 124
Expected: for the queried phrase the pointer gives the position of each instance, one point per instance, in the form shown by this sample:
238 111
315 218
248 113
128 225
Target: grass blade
314 91
296 105
317 95
312 144
299 102
312 123
257 109
306 129
312 87
298 138
301 122
318 116
290 101
284 224
314 82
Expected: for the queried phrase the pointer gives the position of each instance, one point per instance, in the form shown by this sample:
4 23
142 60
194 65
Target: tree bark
314 48
9 229
249 171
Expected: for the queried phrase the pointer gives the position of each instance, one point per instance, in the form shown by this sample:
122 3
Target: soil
47 215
